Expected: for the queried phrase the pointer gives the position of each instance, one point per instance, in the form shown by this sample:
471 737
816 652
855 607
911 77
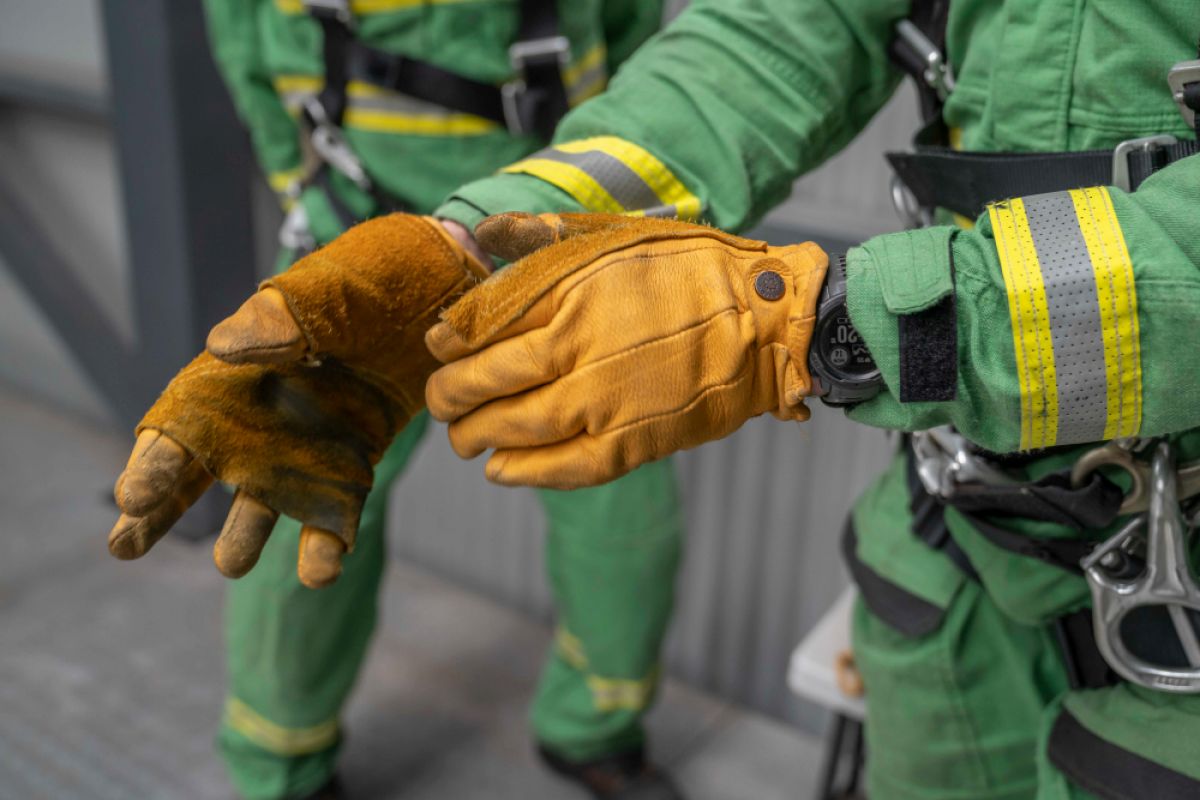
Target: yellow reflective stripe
616 694
1117 298
371 6
570 648
668 188
572 180
1030 324
588 60
285 84
418 124
280 180
277 738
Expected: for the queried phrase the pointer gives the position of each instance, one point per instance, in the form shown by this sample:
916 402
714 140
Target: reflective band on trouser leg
612 175
608 694
1073 307
276 738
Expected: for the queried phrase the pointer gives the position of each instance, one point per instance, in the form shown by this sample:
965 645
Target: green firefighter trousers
293 653
965 711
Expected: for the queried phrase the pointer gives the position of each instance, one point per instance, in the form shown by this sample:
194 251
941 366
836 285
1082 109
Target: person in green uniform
1058 319
612 551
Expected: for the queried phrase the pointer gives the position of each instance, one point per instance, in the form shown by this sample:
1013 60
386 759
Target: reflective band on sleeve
570 648
1074 316
588 76
276 738
1118 309
612 175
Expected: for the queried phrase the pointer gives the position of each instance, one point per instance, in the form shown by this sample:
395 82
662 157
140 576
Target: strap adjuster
1179 78
1120 159
331 9
553 51
328 143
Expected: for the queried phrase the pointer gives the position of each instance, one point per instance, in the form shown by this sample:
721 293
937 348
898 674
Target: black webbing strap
336 40
965 182
929 520
538 98
1085 666
424 81
1109 771
899 608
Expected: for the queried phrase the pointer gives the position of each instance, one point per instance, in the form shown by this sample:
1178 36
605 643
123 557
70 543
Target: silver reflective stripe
625 186
1071 299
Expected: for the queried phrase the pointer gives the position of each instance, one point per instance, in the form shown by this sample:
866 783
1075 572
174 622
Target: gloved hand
619 340
298 396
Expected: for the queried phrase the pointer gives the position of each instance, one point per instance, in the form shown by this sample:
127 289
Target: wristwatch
837 355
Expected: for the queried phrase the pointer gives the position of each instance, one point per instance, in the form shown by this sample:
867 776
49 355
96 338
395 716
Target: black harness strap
1112 772
535 101
965 182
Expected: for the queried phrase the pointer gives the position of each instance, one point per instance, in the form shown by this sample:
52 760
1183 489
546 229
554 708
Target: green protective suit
738 97
612 552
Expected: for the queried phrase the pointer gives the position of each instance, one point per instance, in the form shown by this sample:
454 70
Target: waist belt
965 182
531 103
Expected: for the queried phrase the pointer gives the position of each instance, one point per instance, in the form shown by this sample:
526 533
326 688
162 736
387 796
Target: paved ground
111 673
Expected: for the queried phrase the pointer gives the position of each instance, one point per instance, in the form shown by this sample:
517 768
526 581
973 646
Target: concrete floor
111 672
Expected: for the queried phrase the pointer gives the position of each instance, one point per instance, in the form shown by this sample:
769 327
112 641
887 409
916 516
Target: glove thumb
262 331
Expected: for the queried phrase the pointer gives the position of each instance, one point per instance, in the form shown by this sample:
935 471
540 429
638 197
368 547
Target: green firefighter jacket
723 110
269 52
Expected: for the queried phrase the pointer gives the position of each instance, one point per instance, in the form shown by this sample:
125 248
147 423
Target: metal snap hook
1165 581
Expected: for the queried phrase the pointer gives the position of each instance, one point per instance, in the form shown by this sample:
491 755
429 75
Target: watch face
842 349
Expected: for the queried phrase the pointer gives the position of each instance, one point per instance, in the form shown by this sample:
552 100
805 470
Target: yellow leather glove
298 396
619 340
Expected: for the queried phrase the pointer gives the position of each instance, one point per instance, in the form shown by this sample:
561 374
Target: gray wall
764 507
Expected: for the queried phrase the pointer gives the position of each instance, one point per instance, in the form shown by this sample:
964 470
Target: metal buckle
521 54
1120 159
1179 76
337 9
938 73
944 461
295 233
331 146
1166 580
911 212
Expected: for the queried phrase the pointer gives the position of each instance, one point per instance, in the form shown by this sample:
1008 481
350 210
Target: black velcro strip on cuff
929 353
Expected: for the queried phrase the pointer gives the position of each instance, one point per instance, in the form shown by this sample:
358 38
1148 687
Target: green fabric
963 706
613 595
612 552
919 272
256 42
883 524
294 654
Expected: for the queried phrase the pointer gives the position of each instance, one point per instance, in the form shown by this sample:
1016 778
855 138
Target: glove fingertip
514 235
445 344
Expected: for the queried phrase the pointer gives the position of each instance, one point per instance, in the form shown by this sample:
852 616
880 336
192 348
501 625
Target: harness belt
965 182
532 103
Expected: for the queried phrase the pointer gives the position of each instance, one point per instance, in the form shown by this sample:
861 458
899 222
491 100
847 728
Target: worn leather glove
618 340
298 396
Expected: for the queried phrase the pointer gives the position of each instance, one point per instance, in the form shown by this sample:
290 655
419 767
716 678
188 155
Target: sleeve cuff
504 192
900 292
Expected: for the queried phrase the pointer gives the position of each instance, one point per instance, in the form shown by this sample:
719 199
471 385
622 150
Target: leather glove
297 397
616 340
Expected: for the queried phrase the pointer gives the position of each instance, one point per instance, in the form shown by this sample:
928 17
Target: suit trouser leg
293 653
612 553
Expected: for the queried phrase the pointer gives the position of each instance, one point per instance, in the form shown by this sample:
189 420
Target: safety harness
531 103
933 175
